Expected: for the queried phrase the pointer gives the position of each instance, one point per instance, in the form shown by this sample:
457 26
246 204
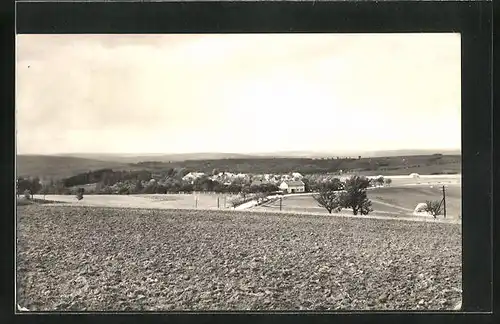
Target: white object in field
22 309
420 210
414 175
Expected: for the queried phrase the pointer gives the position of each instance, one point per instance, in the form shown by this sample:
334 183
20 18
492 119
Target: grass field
94 259
159 201
397 201
400 199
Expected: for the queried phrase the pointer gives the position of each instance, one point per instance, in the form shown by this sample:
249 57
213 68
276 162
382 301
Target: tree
44 190
329 199
433 207
138 186
23 185
260 197
355 196
123 190
380 181
79 193
35 186
333 184
388 181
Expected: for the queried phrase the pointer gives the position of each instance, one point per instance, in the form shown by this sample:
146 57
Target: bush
79 193
433 207
27 194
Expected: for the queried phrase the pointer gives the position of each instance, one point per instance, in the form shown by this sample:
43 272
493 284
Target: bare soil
111 259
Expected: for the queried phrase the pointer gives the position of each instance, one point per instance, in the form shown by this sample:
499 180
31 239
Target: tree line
303 165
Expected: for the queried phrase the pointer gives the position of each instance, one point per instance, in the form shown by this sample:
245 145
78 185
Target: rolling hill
57 167
47 166
178 157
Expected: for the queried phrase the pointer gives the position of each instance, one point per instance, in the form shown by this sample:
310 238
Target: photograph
238 172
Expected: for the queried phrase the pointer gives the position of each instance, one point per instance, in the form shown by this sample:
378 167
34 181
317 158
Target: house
297 176
191 176
293 186
229 175
286 177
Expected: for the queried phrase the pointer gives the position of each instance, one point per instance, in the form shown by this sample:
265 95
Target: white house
229 175
297 175
191 176
293 186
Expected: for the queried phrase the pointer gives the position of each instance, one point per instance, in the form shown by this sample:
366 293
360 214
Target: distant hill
57 167
47 166
135 158
410 153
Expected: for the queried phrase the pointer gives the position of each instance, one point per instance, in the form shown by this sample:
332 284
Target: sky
237 93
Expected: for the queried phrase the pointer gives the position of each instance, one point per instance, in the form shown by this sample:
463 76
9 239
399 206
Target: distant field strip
386 200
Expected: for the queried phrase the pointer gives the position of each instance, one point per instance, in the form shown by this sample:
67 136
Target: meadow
397 201
97 258
156 201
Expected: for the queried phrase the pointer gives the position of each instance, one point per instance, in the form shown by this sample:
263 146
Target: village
291 183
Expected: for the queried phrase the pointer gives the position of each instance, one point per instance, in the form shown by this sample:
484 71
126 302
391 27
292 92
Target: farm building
293 186
297 175
191 176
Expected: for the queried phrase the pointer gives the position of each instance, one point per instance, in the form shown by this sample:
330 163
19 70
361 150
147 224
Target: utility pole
281 203
218 206
196 202
444 202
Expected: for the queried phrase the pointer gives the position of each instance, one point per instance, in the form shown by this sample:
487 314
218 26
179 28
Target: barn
293 186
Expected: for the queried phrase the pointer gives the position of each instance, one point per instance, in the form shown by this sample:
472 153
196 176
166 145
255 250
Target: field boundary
401 217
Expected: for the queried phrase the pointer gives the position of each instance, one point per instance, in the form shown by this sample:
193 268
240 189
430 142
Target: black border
472 19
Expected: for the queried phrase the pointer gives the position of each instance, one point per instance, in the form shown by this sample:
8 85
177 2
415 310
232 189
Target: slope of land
134 158
61 167
104 259
397 201
46 166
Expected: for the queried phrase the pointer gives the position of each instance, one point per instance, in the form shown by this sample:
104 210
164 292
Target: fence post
281 203
218 206
444 202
